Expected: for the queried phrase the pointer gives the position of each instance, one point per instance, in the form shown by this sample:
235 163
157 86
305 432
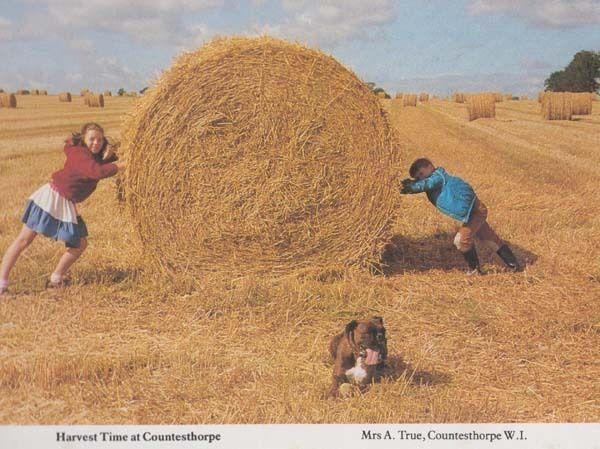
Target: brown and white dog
359 353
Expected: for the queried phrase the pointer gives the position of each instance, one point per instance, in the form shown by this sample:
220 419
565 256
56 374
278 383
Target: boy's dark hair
417 165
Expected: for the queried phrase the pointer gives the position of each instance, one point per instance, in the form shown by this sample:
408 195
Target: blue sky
406 45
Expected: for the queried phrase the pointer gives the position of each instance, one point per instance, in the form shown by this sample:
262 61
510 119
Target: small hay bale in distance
256 155
399 95
8 100
107 93
65 97
43 92
582 103
22 92
95 101
409 100
423 97
458 97
557 106
84 92
481 106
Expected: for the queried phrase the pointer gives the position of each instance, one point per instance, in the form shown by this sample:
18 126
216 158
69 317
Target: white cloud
6 30
551 13
330 22
158 21
445 84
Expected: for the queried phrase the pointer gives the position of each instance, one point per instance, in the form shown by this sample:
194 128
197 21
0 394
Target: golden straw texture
257 155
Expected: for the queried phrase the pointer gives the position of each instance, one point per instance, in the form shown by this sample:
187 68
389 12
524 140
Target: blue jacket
450 194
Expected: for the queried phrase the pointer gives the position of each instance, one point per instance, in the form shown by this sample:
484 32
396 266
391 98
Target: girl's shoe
62 284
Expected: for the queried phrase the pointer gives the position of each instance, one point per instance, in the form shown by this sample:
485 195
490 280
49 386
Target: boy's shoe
508 258
473 261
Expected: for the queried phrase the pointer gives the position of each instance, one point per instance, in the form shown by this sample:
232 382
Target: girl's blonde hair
77 138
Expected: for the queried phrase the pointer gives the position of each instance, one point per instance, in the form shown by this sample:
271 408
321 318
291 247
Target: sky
434 46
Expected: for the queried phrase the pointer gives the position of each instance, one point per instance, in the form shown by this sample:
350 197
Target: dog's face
367 340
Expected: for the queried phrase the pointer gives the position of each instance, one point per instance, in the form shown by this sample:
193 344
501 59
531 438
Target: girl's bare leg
23 240
67 259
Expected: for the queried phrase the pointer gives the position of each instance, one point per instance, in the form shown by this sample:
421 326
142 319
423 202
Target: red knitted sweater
78 178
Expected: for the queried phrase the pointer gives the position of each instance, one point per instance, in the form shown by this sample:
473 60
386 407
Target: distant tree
581 75
380 89
121 92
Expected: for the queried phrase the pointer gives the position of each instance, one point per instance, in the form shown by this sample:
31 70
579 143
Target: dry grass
283 161
120 347
481 106
557 106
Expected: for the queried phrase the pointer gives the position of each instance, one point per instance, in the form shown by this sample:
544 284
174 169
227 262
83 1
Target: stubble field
119 346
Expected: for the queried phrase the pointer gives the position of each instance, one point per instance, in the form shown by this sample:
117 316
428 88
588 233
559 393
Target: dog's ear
377 320
349 334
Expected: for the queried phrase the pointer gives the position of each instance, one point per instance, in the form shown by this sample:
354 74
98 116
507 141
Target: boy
455 198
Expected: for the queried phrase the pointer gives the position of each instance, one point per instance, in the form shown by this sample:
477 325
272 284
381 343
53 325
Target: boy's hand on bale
406 183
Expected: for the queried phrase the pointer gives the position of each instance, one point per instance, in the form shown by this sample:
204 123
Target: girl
51 209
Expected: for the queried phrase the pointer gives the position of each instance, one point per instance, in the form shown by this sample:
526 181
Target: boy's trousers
476 226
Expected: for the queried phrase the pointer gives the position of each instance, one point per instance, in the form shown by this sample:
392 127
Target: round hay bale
458 97
481 106
423 97
582 103
95 101
8 100
557 106
409 100
65 97
257 155
22 92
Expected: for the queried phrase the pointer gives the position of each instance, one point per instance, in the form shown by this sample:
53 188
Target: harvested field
118 347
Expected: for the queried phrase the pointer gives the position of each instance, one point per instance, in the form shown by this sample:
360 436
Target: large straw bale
65 97
8 100
409 100
257 155
557 106
582 103
481 106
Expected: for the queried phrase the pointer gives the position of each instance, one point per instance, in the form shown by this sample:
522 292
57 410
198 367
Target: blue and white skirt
50 214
